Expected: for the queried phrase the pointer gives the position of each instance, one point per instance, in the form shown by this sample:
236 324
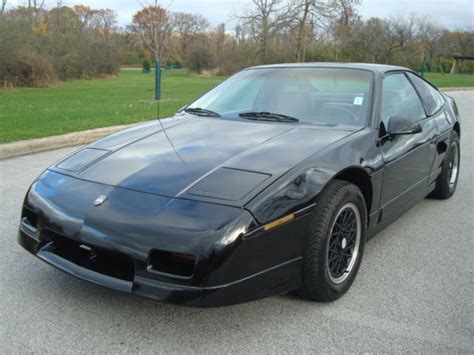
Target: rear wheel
336 242
448 179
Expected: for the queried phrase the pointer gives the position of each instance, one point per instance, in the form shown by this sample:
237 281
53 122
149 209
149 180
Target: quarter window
400 99
431 97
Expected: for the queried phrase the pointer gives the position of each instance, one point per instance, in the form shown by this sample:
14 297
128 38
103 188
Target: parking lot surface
414 290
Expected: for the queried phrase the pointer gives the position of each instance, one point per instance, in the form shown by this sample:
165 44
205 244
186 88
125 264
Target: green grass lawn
84 104
450 80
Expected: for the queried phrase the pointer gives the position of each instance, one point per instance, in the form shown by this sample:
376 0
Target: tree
3 6
343 25
152 24
219 38
463 42
62 41
85 14
187 25
39 46
429 34
36 5
104 21
199 53
368 38
398 33
310 15
303 8
264 21
346 10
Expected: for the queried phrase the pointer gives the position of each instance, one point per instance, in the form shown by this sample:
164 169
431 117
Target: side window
431 97
399 98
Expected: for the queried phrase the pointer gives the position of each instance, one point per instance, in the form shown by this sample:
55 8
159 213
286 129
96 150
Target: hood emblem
100 200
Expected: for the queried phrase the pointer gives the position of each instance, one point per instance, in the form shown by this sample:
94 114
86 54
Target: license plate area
99 260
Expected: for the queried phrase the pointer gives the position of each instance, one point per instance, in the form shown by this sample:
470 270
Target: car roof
380 68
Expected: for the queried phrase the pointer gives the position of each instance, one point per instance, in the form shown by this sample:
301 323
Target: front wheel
336 242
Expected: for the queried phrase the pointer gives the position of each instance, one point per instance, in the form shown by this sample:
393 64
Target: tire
338 201
448 179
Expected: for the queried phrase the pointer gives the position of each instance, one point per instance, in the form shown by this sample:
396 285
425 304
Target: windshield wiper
201 112
268 116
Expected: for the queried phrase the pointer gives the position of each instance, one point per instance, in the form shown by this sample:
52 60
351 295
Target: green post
423 69
157 80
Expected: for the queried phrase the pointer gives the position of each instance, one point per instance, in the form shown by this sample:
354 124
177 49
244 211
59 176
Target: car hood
216 160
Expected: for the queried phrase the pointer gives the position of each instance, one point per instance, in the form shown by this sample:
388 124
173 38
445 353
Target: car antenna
158 98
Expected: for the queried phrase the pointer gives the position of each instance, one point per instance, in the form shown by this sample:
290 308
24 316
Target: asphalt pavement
414 290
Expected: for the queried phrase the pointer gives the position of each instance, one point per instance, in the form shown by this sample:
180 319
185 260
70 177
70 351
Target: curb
458 89
15 149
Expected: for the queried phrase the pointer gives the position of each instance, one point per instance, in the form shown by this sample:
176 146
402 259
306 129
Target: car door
435 107
408 158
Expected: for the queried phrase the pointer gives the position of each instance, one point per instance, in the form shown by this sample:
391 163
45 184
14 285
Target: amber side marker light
278 222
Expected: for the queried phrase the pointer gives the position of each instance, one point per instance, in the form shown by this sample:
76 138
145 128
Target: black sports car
270 182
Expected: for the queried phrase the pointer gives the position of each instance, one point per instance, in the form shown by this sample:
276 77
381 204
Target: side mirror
398 126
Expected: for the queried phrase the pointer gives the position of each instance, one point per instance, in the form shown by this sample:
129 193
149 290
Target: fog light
29 218
171 263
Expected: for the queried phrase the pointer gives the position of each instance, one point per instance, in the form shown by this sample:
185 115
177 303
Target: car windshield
323 96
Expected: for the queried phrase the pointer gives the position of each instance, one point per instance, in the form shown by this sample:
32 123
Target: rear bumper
276 280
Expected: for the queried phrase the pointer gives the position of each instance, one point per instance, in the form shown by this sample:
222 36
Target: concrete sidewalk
14 149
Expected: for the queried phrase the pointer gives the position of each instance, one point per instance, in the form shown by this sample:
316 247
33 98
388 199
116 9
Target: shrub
42 72
131 58
228 68
146 65
445 65
199 54
38 48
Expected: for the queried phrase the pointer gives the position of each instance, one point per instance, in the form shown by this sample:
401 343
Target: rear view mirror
398 126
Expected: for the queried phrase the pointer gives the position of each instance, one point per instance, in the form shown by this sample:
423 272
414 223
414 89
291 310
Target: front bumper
276 280
115 244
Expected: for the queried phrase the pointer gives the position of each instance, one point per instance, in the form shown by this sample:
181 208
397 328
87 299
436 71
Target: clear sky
454 14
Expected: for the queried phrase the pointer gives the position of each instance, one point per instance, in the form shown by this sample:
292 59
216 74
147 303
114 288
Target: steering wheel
347 114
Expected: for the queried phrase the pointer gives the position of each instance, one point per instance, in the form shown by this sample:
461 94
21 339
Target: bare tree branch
264 21
153 26
4 6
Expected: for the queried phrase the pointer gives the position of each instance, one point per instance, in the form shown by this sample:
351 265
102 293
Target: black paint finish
222 180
